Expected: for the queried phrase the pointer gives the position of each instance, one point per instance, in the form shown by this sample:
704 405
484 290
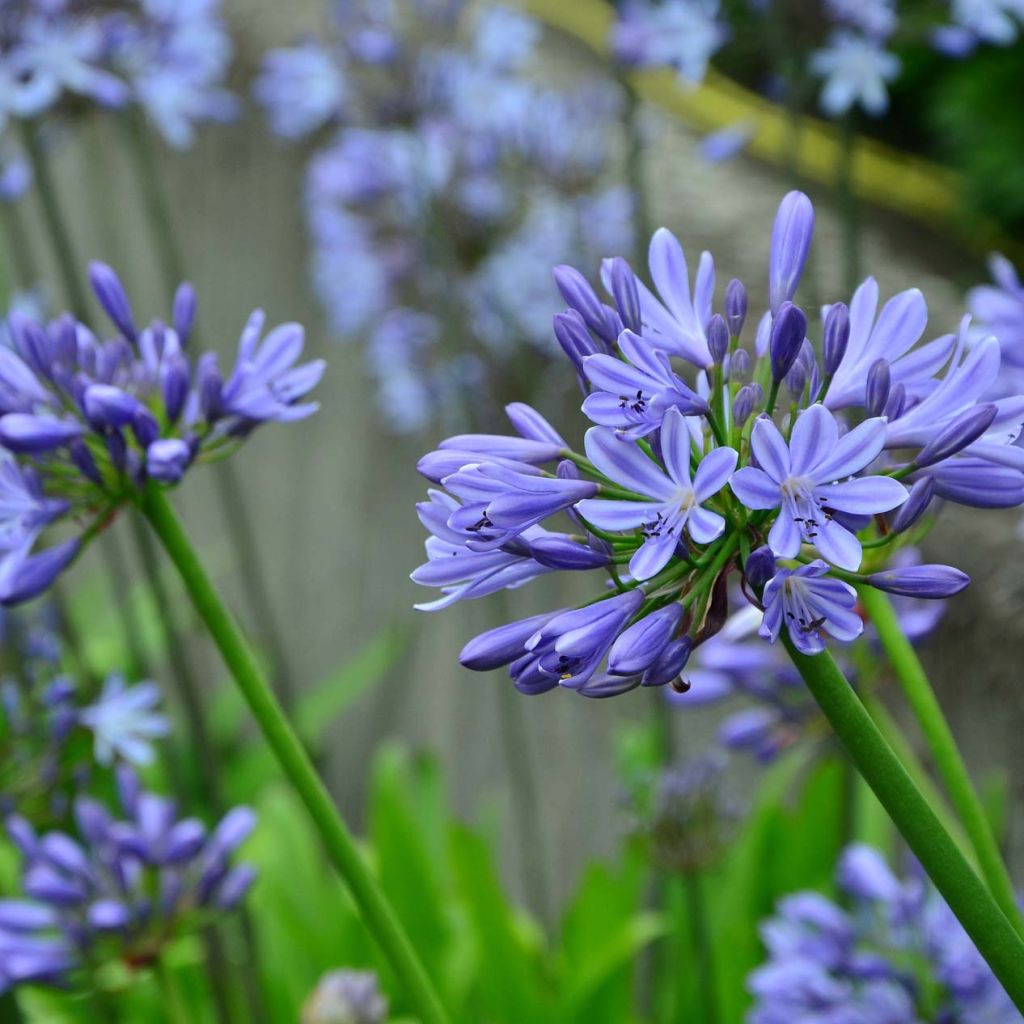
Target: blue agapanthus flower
452 139
680 34
118 889
86 421
893 953
353 997
715 461
168 56
998 309
856 71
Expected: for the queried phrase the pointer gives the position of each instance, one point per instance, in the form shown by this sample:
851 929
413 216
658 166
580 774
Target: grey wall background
332 498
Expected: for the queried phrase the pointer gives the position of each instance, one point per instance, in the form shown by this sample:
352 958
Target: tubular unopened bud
739 365
112 297
837 337
897 400
145 427
108 406
915 506
735 306
718 338
933 582
576 341
183 311
963 431
669 663
580 296
627 296
744 403
167 459
564 553
639 646
877 390
796 380
788 332
759 567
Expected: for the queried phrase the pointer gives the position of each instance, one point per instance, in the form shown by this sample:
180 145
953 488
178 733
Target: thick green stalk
950 764
966 894
226 483
377 913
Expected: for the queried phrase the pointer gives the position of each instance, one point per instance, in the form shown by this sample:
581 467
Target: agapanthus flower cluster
86 421
687 816
998 308
53 734
893 953
119 888
438 198
792 469
346 997
776 712
680 34
168 56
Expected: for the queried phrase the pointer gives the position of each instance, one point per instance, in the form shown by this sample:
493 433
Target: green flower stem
227 486
946 866
377 913
921 697
700 934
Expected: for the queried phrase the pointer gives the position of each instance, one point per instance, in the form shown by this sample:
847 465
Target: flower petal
854 450
755 488
839 546
864 495
625 463
714 472
770 449
815 435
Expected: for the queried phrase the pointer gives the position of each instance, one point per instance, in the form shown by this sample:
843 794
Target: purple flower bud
927 581
576 341
877 390
561 552
23 916
112 297
530 424
234 828
735 306
791 242
789 329
108 406
759 567
579 295
210 386
167 459
744 403
963 431
174 385
626 293
669 663
108 915
129 789
604 685
183 312
796 380
638 647
45 883
505 446
920 497
739 365
84 462
26 434
897 401
27 578
145 426
234 886
184 841
751 729
117 449
864 874
837 337
503 644
718 337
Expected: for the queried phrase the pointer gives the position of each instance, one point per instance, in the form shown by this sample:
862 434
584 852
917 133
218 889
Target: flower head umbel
856 72
119 889
86 421
169 58
450 140
718 471
893 952
346 997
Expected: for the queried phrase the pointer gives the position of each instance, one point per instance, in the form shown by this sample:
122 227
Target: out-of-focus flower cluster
894 953
795 471
86 421
843 43
52 733
346 997
439 197
168 56
117 889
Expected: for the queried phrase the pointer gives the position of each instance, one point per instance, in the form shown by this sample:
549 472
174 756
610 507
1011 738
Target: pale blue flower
856 71
124 721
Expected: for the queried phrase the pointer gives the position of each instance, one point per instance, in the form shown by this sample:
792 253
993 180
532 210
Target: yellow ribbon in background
810 147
